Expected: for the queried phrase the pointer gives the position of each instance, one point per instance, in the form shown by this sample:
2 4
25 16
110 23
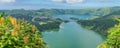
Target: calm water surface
72 35
68 16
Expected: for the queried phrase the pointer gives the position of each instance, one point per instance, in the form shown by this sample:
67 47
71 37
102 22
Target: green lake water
72 35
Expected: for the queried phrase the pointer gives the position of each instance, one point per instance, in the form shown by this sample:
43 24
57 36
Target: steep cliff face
19 34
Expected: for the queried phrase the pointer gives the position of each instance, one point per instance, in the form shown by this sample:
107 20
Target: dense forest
113 38
99 25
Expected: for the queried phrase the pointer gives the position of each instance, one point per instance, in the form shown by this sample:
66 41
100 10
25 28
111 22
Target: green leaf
2 14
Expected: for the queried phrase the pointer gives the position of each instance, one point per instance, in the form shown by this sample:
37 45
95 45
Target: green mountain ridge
103 23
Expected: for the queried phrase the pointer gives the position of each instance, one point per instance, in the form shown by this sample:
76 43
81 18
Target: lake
72 35
68 16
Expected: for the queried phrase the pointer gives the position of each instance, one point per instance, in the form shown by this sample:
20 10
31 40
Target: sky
57 4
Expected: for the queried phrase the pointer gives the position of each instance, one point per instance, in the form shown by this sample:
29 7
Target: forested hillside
103 23
113 38
99 25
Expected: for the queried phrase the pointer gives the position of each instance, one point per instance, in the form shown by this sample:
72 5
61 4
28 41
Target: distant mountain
106 15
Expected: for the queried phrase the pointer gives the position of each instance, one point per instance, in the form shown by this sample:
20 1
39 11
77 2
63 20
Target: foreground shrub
19 34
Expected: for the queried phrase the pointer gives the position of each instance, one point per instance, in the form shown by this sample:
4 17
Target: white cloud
7 1
105 0
57 0
74 1
69 1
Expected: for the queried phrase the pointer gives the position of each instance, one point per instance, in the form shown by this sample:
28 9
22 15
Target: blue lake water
68 16
72 35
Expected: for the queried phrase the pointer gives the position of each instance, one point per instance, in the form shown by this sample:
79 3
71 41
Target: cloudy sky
67 4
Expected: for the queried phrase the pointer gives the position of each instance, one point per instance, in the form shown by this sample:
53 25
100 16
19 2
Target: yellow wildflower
17 26
33 28
26 39
40 42
13 21
14 33
2 22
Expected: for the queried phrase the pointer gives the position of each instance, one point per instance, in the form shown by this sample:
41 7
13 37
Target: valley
70 28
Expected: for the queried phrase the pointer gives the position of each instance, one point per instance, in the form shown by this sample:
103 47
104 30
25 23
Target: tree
3 13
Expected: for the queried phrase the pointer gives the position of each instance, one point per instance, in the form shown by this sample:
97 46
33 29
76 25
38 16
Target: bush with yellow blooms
16 33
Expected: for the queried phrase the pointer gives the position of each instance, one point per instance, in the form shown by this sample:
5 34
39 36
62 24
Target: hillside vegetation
19 34
99 25
103 23
113 39
103 15
29 14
